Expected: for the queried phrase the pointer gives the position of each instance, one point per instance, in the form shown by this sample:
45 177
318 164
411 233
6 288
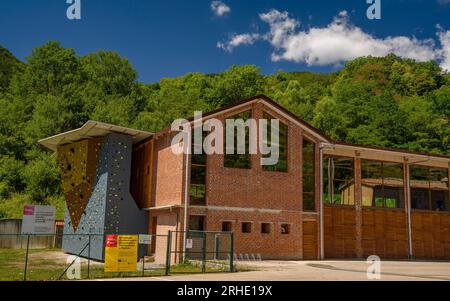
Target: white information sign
38 219
145 239
189 243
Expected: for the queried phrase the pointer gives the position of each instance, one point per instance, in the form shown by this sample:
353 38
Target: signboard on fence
145 239
38 219
121 252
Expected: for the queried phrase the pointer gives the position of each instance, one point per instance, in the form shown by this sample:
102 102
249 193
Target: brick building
323 199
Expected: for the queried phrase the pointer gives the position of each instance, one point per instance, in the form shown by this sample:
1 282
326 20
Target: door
310 240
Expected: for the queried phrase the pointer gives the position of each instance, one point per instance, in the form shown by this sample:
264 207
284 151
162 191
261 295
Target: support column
358 206
407 194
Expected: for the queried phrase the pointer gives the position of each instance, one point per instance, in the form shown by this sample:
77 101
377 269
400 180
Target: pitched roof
306 125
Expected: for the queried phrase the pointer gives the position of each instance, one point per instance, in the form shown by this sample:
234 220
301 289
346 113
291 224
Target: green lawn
43 265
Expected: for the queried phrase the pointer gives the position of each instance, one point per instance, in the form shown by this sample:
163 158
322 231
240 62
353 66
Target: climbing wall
109 207
78 162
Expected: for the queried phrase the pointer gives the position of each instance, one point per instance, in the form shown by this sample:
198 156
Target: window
226 226
308 176
231 158
429 188
339 181
198 175
382 184
265 228
285 228
282 164
246 227
196 223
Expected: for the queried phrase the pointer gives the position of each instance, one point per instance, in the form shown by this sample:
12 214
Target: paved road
320 271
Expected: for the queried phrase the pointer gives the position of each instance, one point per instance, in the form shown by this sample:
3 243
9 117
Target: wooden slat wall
431 235
310 250
339 232
141 174
384 233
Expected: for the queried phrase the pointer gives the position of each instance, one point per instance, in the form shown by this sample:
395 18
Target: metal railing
206 251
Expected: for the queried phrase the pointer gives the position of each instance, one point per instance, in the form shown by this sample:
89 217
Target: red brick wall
167 174
273 245
167 221
254 187
258 189
238 195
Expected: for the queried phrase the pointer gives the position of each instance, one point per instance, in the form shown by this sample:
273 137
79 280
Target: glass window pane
198 174
198 195
420 198
429 188
236 160
341 172
394 197
372 183
419 173
308 175
308 202
281 166
196 223
308 183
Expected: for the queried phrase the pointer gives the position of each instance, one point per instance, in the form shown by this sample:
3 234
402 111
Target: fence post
89 257
26 259
168 250
204 253
231 252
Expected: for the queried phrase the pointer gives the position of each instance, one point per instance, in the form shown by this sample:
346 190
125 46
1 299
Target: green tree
42 178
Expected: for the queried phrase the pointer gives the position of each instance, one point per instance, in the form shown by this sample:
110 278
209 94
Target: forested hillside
382 101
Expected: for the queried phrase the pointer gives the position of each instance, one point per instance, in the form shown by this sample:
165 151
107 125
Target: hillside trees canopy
384 101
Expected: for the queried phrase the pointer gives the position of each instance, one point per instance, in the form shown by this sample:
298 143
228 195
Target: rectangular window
285 228
231 158
429 188
226 227
338 181
382 184
198 175
309 203
196 223
246 227
265 228
282 164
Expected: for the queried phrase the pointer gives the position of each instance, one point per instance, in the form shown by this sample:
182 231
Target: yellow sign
121 252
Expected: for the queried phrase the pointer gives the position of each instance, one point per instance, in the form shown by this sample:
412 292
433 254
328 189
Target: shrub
42 178
11 173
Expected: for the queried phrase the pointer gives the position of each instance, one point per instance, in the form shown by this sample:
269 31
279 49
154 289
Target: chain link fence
43 257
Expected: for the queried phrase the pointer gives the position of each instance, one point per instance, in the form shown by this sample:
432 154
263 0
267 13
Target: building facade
323 199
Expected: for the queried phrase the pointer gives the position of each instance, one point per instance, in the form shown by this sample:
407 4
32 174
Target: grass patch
43 266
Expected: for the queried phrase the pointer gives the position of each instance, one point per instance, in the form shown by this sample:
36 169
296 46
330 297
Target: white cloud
443 1
444 38
238 40
219 8
336 42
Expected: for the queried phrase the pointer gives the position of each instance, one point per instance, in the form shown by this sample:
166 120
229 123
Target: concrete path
320 271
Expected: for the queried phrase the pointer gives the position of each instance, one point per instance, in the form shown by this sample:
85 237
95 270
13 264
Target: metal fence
48 257
204 251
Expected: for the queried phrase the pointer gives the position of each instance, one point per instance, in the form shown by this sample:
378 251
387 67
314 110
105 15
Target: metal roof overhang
92 129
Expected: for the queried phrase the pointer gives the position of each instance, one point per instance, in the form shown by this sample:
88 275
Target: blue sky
172 37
